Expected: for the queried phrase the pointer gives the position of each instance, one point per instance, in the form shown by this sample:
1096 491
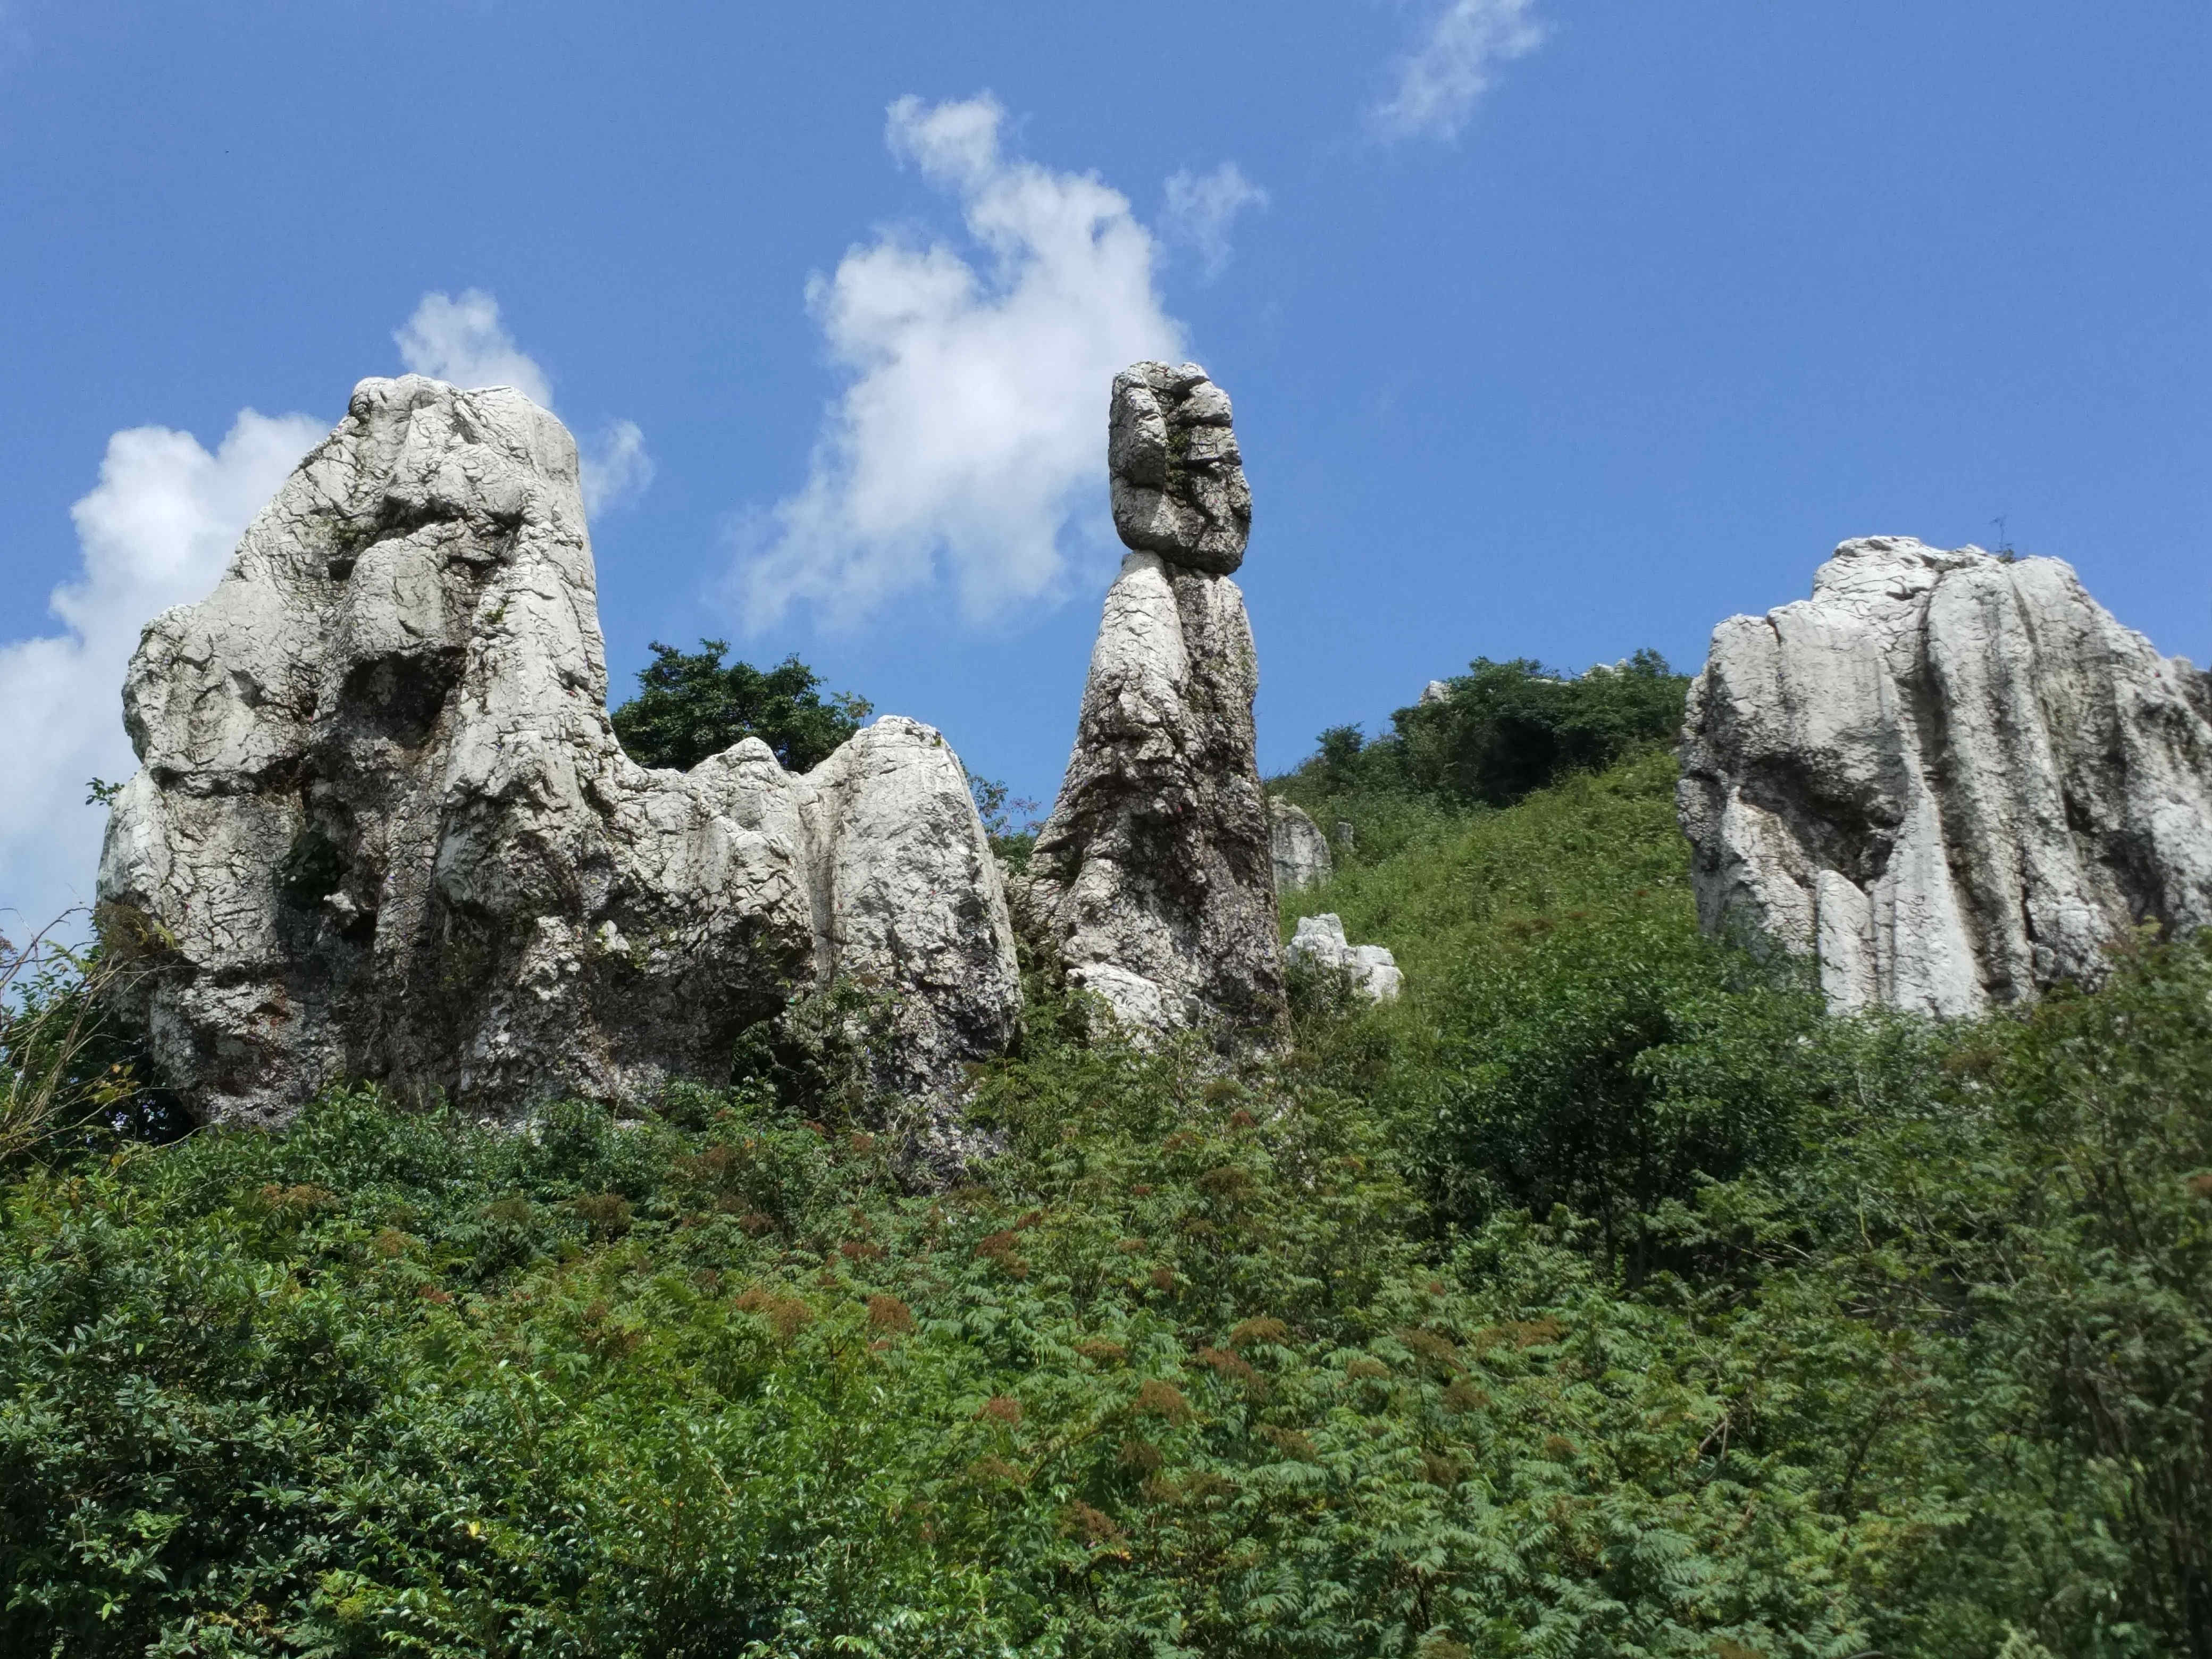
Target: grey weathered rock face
1176 477
1320 943
1954 779
1436 691
1301 853
383 826
1154 875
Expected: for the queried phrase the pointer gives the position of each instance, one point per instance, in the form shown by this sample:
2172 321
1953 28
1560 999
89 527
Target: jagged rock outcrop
1319 943
383 826
1300 851
1154 876
1953 778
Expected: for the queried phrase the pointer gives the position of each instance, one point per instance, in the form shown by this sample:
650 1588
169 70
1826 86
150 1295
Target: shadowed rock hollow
1954 779
383 827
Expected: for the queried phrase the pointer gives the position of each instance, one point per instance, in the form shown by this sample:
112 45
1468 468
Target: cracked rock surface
1154 875
382 826
1953 778
1176 476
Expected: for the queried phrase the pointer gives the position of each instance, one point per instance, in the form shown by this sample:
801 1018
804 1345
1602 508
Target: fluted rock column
1953 778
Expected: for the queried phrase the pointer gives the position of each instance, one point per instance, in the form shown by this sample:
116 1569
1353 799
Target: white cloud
156 530
616 468
462 341
1202 207
971 438
1439 83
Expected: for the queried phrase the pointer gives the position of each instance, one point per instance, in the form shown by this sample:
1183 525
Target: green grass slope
1599 1298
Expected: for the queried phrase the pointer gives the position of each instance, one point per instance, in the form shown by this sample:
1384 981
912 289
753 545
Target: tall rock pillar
1154 875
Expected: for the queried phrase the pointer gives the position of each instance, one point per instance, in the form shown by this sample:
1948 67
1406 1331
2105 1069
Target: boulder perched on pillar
1154 876
383 826
1952 777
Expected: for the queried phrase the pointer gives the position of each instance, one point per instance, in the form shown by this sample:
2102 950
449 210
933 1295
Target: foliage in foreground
1600 1298
67 1074
689 705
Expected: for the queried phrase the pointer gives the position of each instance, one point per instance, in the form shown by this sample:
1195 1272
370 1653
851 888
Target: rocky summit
1153 879
383 828
1952 777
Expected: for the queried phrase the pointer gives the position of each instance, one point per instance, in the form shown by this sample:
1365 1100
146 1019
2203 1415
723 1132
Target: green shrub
1505 728
689 705
1599 1298
69 1077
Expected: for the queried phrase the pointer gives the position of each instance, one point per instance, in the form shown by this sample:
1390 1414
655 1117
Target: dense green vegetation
1497 732
1601 1297
689 704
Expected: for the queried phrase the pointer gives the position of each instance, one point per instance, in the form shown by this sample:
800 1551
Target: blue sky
1554 327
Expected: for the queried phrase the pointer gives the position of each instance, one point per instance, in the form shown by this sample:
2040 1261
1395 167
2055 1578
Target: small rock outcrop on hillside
1953 778
1320 944
383 826
1300 851
1154 876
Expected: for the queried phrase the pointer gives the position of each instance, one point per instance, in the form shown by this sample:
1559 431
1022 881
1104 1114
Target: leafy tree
691 705
1010 821
1501 730
1336 758
1508 727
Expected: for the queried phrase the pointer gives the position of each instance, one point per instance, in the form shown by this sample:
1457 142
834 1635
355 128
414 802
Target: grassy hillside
1600 1297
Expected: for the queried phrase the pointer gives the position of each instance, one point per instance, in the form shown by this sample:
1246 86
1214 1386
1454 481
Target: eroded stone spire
1177 477
1154 876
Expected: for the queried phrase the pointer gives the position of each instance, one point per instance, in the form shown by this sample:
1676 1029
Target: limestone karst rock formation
1173 471
1371 970
1154 876
383 826
1300 851
1953 778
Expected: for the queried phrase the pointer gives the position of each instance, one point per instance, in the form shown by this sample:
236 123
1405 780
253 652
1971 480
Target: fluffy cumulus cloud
1440 81
155 530
970 440
616 468
1202 208
459 338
